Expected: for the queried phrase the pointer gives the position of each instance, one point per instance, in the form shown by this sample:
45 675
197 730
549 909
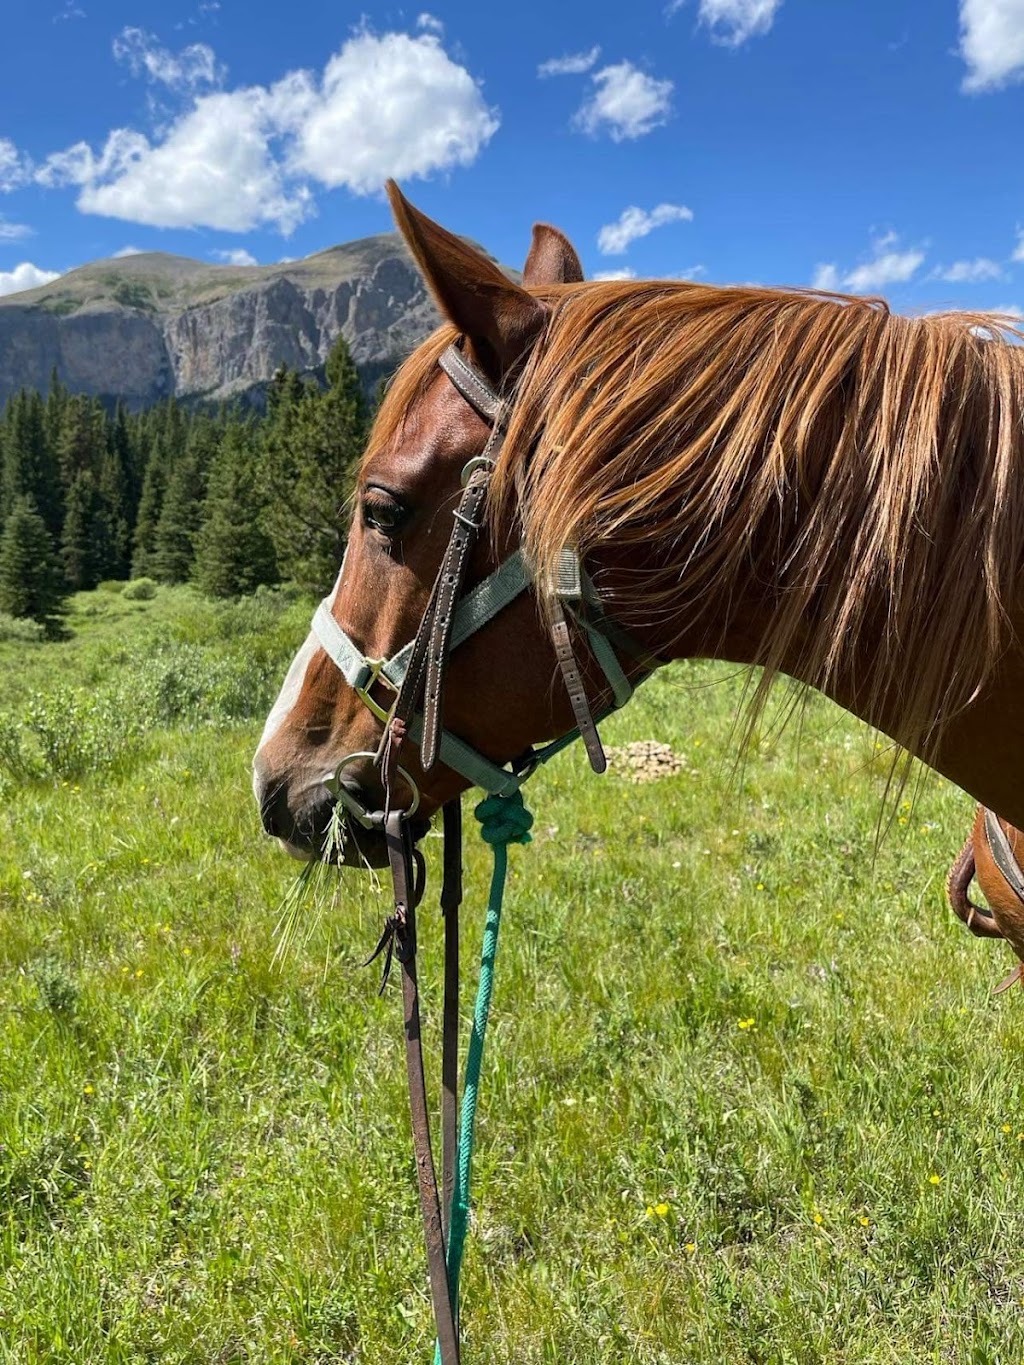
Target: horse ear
552 258
500 319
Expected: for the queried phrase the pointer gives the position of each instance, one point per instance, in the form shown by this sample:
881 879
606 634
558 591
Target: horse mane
856 474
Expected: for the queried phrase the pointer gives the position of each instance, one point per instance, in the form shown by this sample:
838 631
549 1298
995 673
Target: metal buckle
471 466
374 669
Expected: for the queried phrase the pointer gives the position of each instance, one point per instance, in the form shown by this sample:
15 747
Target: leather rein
417 675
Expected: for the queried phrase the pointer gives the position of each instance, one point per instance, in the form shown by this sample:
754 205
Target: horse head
323 736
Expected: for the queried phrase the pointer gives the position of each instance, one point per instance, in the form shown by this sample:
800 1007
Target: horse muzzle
334 820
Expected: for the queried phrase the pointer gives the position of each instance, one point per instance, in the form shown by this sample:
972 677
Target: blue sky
865 145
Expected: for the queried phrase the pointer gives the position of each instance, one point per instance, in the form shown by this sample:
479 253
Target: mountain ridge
150 325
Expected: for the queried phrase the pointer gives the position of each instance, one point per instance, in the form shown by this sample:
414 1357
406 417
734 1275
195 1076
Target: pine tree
114 484
86 541
154 486
30 579
126 466
56 402
29 462
180 516
313 442
82 442
234 554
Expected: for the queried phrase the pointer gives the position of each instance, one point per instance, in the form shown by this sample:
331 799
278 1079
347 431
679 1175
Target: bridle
416 674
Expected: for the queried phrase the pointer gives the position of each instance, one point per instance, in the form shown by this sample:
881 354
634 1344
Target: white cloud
887 266
25 276
392 105
826 276
969 272
572 65
430 23
386 106
626 274
14 168
991 43
127 251
190 69
76 165
614 238
1009 309
214 169
236 256
891 267
13 232
1018 250
732 22
627 103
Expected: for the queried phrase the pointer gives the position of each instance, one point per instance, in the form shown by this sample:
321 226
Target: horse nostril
275 813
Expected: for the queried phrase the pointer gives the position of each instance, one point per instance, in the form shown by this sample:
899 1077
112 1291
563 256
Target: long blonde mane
857 474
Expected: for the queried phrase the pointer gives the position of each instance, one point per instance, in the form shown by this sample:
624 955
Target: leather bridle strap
402 856
573 679
479 394
450 581
472 385
433 639
451 899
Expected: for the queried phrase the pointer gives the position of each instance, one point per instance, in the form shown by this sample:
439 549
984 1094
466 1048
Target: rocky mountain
146 326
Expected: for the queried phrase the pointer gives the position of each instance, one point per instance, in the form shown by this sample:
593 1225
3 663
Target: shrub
20 629
77 733
17 763
139 590
111 585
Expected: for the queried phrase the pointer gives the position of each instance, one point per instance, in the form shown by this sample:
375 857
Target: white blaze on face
292 686
290 691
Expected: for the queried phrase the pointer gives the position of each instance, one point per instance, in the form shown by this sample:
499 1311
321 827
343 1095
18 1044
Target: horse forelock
860 472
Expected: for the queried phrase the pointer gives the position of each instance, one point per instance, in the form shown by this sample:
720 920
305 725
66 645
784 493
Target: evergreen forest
227 500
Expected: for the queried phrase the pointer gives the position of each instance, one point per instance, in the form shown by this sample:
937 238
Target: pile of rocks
645 760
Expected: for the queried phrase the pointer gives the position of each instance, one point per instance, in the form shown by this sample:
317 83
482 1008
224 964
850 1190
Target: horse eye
382 512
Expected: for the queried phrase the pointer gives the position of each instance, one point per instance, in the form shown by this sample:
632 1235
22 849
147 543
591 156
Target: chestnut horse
790 479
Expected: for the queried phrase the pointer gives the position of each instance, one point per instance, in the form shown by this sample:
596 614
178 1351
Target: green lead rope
503 820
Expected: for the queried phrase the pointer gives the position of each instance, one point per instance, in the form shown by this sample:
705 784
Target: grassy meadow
748 1097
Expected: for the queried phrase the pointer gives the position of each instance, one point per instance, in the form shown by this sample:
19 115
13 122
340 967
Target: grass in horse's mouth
315 888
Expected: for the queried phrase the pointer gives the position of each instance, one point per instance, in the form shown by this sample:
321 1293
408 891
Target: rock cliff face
144 327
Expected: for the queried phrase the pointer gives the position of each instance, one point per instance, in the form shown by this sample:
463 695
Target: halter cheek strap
479 606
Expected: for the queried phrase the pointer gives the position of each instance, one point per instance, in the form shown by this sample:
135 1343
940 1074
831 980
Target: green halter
479 606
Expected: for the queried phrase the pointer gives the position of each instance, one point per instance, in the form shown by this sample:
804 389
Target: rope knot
504 819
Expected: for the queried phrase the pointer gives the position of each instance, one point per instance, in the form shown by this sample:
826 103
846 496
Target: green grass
730 1050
